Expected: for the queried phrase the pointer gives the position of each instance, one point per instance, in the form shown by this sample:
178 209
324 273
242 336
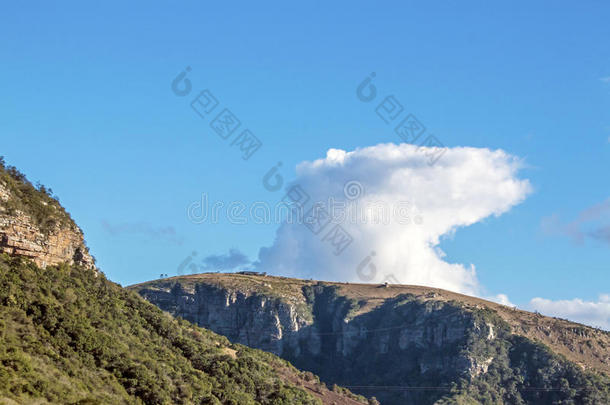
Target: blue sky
88 110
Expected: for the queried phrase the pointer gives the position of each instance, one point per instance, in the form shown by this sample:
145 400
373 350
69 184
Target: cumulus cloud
501 299
588 312
465 186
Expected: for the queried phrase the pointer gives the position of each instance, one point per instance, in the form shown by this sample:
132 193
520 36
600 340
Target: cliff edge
404 344
33 224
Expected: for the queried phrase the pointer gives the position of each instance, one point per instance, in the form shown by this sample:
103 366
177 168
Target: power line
346 332
356 332
416 388
399 387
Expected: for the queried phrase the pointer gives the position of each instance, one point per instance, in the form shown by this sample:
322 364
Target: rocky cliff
403 344
69 336
34 225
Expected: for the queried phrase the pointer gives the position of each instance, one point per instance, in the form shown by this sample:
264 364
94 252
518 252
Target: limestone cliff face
20 235
273 325
257 321
365 335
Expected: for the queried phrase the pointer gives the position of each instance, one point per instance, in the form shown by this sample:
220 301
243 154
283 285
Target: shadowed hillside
403 344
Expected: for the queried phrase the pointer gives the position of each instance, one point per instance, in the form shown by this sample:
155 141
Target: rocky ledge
364 336
21 236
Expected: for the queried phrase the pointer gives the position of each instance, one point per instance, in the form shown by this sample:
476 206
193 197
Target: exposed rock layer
21 236
363 335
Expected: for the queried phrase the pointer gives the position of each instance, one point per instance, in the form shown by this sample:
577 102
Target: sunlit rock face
21 236
362 334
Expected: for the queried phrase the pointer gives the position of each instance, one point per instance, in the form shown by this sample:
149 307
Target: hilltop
368 337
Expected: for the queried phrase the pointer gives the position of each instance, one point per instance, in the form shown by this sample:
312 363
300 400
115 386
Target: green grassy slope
70 336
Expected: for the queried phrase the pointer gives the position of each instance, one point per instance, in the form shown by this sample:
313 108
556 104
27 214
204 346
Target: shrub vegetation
70 336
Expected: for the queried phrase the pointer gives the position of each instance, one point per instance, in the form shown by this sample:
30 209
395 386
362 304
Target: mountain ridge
440 337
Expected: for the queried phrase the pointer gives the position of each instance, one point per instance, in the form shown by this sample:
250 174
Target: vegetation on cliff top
36 201
441 347
70 336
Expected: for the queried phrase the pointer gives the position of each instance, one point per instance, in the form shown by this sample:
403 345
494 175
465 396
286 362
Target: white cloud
605 79
501 299
588 312
462 188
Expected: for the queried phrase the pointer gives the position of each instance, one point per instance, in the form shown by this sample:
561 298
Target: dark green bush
69 336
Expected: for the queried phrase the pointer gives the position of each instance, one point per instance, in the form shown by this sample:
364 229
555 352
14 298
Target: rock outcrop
257 321
20 235
366 336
